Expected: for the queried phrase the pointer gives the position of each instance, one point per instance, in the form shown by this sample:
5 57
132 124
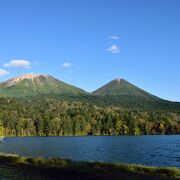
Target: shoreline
56 168
95 135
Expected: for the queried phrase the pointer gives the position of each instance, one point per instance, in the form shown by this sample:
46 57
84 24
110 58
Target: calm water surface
148 150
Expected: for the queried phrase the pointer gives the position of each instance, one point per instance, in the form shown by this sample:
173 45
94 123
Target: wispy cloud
18 63
3 72
66 65
114 37
113 49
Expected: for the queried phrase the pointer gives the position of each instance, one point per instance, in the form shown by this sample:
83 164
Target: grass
56 168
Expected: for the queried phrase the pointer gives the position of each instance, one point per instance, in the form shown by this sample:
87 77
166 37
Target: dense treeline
134 102
50 117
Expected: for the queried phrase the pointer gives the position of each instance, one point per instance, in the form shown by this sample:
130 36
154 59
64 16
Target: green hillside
121 87
54 108
32 85
118 92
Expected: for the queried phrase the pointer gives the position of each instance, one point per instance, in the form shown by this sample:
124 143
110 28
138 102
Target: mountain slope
118 92
32 85
121 87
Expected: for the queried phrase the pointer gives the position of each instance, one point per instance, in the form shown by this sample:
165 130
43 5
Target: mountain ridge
116 87
118 92
34 84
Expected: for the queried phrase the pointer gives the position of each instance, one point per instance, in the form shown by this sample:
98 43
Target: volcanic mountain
34 84
121 87
117 92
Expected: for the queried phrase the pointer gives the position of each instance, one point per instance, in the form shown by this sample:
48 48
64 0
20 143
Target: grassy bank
55 168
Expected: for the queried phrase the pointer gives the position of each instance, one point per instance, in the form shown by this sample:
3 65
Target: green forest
51 117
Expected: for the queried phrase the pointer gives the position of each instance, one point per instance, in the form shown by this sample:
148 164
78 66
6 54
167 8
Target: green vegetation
119 87
50 117
62 168
48 107
30 85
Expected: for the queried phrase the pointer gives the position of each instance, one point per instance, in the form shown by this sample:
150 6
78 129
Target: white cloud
66 65
114 37
113 49
3 72
18 63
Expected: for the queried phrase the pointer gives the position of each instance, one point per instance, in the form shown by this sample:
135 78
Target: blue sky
87 43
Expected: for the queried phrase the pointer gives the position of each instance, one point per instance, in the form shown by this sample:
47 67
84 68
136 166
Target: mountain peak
118 80
29 76
17 79
121 87
34 84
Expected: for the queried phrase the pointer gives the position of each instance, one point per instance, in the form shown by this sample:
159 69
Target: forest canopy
51 117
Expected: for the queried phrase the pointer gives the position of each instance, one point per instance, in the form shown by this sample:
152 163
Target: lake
146 150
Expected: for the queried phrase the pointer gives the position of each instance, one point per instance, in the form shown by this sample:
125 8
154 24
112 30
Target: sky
88 43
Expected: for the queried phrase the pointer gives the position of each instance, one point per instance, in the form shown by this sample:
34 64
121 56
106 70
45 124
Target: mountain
118 92
34 84
121 87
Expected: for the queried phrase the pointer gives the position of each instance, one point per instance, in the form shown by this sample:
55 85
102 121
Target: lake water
147 150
